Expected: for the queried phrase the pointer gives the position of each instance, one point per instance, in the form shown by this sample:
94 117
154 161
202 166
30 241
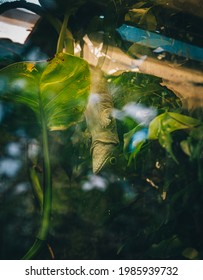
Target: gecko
100 121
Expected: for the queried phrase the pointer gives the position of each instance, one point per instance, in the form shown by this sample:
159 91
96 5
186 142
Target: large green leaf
56 90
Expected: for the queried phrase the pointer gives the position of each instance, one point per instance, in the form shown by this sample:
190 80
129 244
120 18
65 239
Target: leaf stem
36 186
65 39
47 197
33 250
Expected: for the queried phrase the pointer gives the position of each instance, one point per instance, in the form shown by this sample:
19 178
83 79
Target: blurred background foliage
144 205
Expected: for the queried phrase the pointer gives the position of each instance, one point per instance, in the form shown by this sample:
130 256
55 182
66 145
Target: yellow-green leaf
170 121
161 127
56 90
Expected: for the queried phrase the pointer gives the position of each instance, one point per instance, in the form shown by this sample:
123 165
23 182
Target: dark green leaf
141 88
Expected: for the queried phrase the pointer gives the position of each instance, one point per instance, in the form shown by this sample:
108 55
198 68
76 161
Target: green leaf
133 142
166 141
185 146
161 127
141 88
170 122
197 133
143 16
56 90
129 136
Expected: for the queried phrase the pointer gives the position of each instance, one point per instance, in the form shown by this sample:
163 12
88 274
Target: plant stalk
33 250
47 197
36 186
65 39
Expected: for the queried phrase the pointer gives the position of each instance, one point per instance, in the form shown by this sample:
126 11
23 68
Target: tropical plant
57 92
144 116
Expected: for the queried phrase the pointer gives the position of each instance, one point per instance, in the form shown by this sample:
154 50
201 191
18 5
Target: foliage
142 206
56 90
162 126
